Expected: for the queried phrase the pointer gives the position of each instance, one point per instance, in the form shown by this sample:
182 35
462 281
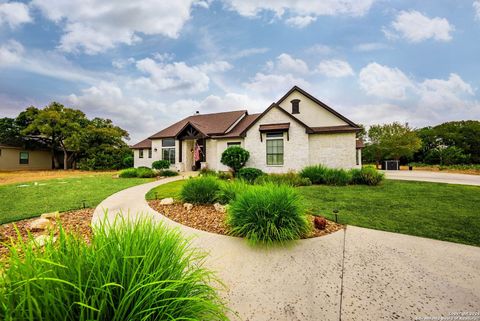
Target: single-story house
15 158
296 131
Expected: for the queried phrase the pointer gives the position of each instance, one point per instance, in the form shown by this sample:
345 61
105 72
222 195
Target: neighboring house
296 131
13 158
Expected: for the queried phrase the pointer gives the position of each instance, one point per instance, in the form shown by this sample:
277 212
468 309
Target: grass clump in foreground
267 214
201 190
135 271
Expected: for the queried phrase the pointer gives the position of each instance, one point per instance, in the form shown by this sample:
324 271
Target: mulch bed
206 218
77 221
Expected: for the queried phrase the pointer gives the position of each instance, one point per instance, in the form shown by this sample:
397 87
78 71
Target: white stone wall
296 149
145 161
333 150
215 149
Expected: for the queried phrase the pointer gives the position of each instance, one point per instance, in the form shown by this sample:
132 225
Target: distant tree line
74 140
456 142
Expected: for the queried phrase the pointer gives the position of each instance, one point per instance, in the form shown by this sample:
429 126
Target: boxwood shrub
161 164
268 214
200 190
250 174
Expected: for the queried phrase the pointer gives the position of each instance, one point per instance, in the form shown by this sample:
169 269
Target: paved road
437 177
356 274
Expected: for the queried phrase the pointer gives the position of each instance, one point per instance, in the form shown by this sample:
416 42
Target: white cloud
300 21
320 49
440 93
384 82
335 68
287 64
248 52
476 7
251 8
122 63
14 14
95 26
273 85
10 53
370 46
416 27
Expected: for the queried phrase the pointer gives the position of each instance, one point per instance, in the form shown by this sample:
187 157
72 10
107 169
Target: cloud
287 64
178 75
273 85
11 53
320 49
416 27
476 7
14 14
335 68
248 52
384 82
370 46
96 26
440 93
300 21
252 8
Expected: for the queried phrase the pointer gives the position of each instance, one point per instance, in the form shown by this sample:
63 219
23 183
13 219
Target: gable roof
240 127
146 143
325 106
208 124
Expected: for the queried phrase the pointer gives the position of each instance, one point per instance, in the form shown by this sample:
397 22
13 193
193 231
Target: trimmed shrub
145 172
200 190
290 178
316 173
235 157
136 270
366 176
267 214
230 190
167 173
128 173
250 174
161 164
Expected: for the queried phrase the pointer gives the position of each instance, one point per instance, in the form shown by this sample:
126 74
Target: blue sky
147 64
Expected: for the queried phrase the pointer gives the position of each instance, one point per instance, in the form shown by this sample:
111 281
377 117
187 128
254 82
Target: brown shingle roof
208 124
240 127
146 143
334 129
273 127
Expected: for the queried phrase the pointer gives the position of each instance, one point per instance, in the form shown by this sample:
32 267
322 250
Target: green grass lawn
25 200
439 211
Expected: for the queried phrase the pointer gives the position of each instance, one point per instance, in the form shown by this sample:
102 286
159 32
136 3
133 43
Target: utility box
392 165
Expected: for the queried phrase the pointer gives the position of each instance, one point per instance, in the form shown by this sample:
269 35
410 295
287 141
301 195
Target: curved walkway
436 177
357 274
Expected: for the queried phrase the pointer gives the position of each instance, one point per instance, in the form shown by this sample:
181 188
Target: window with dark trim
274 142
168 142
169 154
150 153
24 157
230 144
140 153
295 106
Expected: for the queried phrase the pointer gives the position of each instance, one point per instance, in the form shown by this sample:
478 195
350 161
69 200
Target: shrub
145 172
366 176
267 214
161 164
135 271
316 173
229 191
290 178
225 175
127 162
128 173
167 173
250 174
340 177
235 157
200 190
207 172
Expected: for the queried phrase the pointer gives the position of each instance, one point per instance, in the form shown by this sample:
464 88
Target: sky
146 64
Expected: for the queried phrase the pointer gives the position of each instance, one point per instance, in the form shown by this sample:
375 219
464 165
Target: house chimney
197 113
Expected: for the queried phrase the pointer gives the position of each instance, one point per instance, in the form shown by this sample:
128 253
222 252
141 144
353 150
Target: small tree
235 157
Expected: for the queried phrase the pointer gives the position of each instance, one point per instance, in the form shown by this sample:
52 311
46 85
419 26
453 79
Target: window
274 148
140 153
0 152
23 157
150 153
169 154
295 106
168 142
230 144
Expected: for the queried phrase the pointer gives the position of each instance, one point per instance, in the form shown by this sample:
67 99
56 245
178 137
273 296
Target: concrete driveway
356 274
436 177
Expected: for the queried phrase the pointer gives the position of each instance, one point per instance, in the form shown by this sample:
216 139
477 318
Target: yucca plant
267 214
134 271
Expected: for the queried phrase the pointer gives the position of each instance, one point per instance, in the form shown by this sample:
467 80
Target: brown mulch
206 218
77 222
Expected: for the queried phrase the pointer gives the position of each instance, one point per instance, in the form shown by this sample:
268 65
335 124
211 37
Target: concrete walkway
436 177
357 274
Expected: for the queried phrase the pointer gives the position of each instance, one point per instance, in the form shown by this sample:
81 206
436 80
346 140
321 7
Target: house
296 131
14 158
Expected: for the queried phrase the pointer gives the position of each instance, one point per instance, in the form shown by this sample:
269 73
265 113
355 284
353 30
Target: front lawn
25 200
440 211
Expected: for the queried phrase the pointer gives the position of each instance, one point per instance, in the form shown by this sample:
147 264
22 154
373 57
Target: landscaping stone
188 206
51 216
41 240
40 224
167 201
219 208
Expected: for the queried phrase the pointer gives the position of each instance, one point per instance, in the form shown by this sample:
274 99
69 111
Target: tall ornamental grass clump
136 271
268 214
290 178
128 173
230 190
201 190
339 177
145 172
315 173
366 176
